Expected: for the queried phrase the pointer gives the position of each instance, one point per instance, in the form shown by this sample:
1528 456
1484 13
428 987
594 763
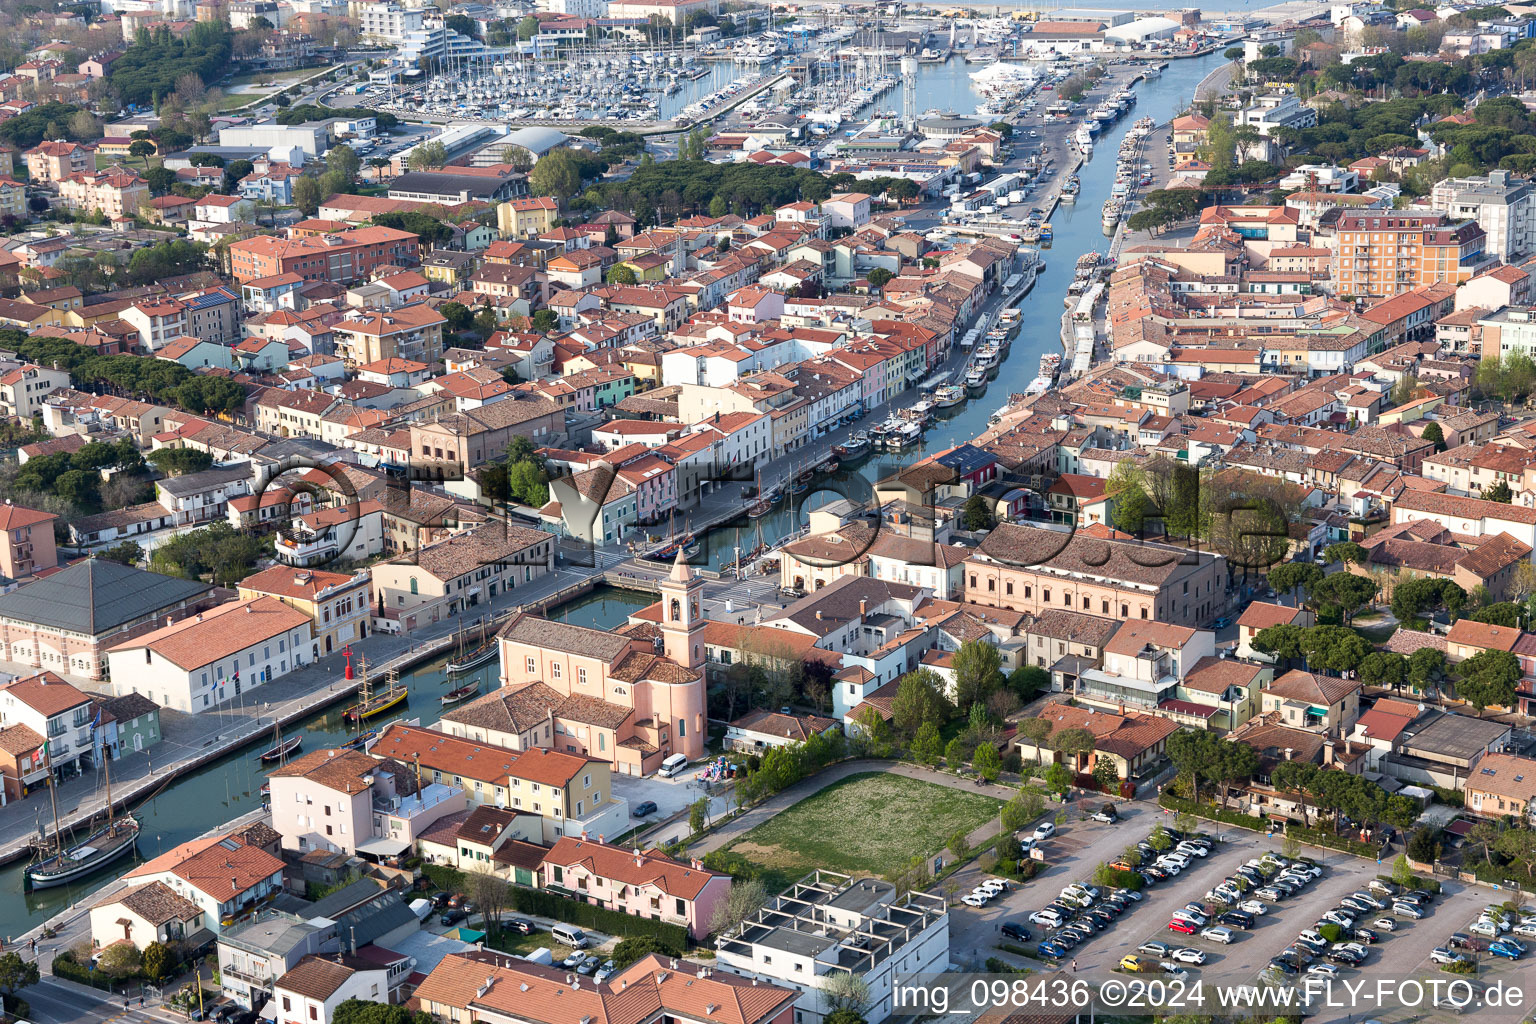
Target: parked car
1015 930
1484 928
1507 948
453 915
1044 831
1157 949
1188 955
1182 927
1402 909
976 900
1236 919
1218 934
1283 966
1323 971
1258 908
643 808
521 925
1441 955
1386 924
1271 893
1052 948
1105 817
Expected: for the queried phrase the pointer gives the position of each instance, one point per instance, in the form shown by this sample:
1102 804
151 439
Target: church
632 697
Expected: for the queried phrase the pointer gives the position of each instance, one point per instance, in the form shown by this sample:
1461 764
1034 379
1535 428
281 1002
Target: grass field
866 824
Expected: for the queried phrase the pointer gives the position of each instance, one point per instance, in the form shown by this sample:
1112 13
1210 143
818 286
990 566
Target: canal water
231 787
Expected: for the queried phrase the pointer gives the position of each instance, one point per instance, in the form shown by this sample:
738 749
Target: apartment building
410 332
55 161
115 192
340 258
1502 205
56 712
1379 253
338 604
458 574
646 884
24 390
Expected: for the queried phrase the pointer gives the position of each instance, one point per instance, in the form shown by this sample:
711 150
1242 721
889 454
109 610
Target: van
570 935
672 765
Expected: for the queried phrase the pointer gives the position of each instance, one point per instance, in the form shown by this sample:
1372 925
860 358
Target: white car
1046 918
1193 850
1485 928
1169 866
1323 971
1441 955
1188 956
1353 947
1342 918
1217 934
975 900
995 885
1044 830
1500 923
1525 931
1258 908
1386 924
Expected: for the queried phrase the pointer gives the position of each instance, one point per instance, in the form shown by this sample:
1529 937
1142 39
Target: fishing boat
58 864
461 694
949 396
282 750
856 446
829 466
361 740
764 503
976 381
1045 233
483 651
371 704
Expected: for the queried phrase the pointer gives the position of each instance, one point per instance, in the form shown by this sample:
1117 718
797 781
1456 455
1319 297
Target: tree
639 947
1406 387
1236 763
978 672
1499 492
1107 774
745 898
120 960
179 461
1424 845
622 273
1035 730
919 701
927 746
1028 680
878 278
960 844
143 149
987 762
1283 641
1346 591
1058 778
343 160
83 127
457 314
698 815
1383 668
1294 577
1488 678
16 974
307 195
1435 434
1426 667
954 754
1502 613
159 961
357 1011
977 514
1295 777
844 990
429 156
1346 551
556 174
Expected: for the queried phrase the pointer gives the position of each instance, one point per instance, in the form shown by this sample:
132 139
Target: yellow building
521 218
13 199
337 604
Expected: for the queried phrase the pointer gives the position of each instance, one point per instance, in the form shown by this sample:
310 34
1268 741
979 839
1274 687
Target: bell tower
682 614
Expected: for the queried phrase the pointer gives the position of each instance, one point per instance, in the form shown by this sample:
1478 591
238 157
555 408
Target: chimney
863 607
818 614
1289 751
1328 753
199 616
583 835
247 609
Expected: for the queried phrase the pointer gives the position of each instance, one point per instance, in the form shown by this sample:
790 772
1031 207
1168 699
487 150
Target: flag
97 723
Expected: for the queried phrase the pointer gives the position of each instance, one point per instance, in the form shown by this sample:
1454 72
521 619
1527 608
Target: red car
1182 926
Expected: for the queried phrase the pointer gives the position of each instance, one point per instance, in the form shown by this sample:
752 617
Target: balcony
250 980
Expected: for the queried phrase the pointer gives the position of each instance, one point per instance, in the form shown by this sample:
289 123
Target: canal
231 787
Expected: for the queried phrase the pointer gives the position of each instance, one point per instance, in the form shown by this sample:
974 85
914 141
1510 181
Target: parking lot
1080 846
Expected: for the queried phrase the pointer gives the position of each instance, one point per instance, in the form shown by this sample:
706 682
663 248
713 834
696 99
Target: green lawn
866 824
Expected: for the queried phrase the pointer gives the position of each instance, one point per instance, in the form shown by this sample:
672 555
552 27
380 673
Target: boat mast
53 797
106 768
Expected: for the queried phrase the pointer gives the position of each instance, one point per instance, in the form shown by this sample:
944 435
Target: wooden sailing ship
370 704
58 864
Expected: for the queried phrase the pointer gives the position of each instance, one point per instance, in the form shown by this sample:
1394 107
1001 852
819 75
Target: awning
384 847
269 1012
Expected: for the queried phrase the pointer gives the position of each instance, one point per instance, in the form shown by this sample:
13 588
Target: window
581 676
532 665
554 670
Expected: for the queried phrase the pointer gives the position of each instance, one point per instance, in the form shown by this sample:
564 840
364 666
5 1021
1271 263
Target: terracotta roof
1126 735
772 723
584 641
648 868
302 584
1262 615
219 632
1312 687
508 710
19 739
1481 634
1214 675
1505 775
155 902
486 762
45 693
346 771
318 977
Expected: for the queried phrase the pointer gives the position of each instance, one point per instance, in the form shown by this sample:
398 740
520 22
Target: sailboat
281 748
764 504
481 653
60 864
371 703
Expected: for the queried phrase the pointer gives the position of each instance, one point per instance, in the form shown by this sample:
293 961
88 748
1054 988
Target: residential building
318 984
1503 785
55 161
1134 742
1502 205
338 604
24 392
409 332
1384 252
829 925
340 258
570 794
454 575
141 914
27 546
647 884
227 877
56 711
219 655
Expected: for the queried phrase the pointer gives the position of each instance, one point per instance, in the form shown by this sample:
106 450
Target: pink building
645 883
340 800
655 482
640 704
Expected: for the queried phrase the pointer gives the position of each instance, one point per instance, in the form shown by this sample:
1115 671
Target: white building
311 140
388 21
318 984
219 655
1271 112
54 711
1503 206
575 8
829 924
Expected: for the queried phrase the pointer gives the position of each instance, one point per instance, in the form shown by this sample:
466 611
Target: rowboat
282 750
460 695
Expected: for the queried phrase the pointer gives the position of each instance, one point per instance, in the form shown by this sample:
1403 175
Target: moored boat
857 445
59 864
282 750
482 652
948 396
463 693
373 704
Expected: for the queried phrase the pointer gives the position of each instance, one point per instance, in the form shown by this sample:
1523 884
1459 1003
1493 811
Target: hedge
1429 885
1301 833
65 966
543 903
